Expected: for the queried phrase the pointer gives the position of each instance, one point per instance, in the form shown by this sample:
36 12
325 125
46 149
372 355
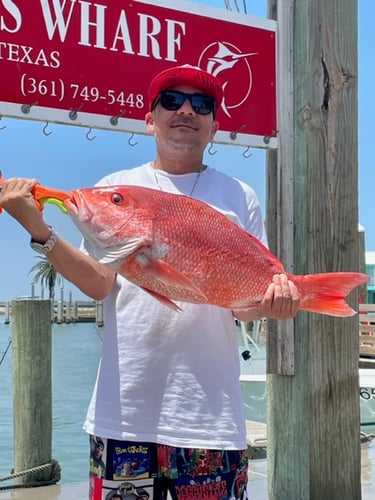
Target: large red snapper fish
181 249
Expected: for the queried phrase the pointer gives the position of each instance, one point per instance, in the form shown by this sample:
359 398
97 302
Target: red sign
90 62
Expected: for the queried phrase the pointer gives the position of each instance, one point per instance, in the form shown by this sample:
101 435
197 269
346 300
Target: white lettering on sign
99 25
31 86
123 34
94 31
174 39
25 54
15 13
60 23
149 35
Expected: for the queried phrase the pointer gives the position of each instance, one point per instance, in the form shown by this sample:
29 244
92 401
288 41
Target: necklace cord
194 184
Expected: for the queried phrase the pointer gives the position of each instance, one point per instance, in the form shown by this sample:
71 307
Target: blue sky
66 159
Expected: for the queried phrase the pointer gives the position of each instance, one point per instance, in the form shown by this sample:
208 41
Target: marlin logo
225 58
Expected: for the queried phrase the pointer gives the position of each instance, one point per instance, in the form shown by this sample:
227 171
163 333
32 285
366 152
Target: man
168 383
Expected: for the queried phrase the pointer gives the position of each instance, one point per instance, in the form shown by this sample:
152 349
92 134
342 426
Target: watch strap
46 247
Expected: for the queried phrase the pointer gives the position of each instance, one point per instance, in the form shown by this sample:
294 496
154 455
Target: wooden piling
32 388
60 312
7 313
312 389
99 314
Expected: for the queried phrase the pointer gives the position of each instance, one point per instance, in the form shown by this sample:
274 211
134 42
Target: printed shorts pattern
125 470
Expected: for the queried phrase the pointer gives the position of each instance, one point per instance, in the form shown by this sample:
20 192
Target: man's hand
281 301
17 199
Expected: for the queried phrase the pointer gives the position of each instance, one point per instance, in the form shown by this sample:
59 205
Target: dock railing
367 331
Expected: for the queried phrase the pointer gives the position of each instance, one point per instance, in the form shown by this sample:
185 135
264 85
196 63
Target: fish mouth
71 203
77 207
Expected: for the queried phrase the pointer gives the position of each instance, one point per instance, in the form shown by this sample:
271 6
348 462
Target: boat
252 351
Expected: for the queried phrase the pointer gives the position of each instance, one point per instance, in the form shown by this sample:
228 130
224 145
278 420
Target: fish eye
117 198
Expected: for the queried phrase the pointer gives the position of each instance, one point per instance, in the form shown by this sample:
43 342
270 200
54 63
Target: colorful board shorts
125 470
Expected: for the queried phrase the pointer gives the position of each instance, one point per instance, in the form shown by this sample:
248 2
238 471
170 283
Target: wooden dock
256 433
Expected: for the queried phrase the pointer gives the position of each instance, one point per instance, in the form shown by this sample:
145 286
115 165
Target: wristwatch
46 247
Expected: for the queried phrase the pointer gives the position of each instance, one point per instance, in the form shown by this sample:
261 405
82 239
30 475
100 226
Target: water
75 356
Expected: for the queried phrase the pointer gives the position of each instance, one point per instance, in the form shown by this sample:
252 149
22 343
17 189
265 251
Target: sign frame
31 105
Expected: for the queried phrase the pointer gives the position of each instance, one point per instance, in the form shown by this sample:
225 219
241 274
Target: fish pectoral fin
169 275
164 300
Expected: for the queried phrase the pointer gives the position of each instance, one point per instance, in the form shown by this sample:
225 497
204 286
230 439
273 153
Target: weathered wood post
68 311
60 308
99 313
362 290
7 313
75 311
32 388
313 417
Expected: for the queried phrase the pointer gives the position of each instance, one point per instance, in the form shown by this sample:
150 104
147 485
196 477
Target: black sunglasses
172 100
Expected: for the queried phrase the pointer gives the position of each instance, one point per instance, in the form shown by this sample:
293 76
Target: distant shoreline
75 311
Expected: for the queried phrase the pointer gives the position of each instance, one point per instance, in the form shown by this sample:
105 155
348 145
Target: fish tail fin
325 293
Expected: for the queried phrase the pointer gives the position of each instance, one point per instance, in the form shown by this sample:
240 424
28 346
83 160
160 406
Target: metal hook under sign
45 129
2 128
88 133
211 151
246 153
132 144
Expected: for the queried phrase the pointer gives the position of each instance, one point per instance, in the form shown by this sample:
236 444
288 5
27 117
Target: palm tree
46 273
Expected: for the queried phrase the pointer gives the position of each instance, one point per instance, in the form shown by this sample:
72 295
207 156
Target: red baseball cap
186 75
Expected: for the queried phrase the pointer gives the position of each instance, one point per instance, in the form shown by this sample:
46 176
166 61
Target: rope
55 476
5 352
